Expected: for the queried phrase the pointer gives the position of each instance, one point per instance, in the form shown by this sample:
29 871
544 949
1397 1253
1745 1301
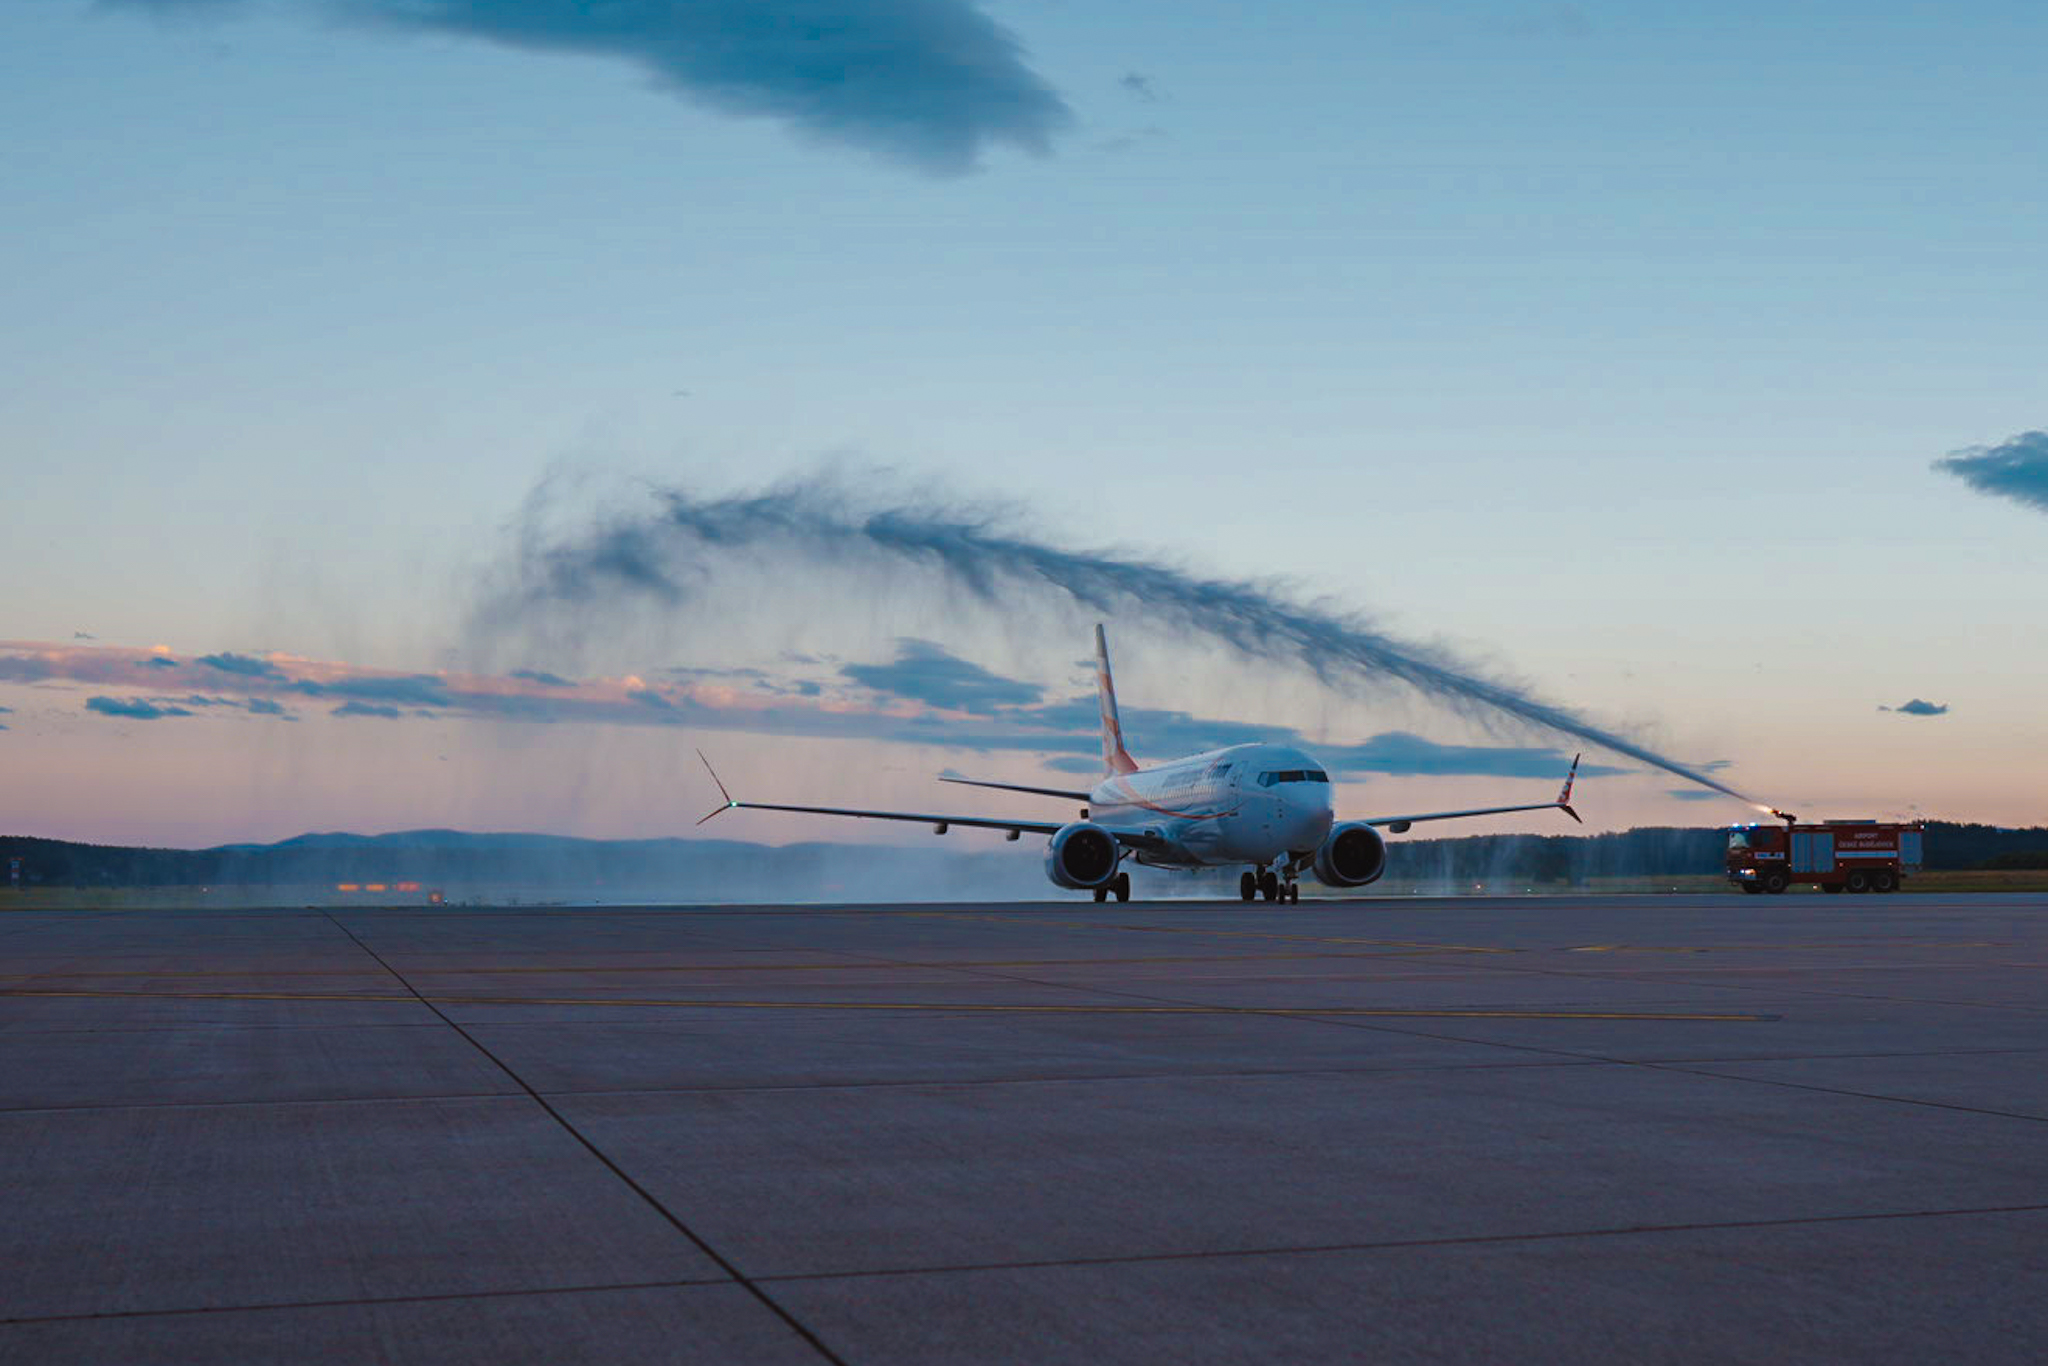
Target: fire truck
1838 856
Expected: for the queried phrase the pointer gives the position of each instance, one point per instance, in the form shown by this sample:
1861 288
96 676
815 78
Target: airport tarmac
1657 1129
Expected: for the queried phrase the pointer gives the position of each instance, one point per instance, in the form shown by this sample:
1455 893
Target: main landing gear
1120 885
1266 883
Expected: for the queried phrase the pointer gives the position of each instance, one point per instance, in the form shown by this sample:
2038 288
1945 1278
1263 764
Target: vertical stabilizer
1115 757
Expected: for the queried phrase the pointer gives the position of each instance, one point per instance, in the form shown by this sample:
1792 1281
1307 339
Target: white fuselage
1244 804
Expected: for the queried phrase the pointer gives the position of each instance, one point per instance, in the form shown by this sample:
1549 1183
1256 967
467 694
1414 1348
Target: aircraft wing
939 823
1563 803
915 817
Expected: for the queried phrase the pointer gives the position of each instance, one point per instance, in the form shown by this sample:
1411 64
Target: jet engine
1081 855
1352 856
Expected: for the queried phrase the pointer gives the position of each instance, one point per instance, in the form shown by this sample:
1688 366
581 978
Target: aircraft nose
1309 815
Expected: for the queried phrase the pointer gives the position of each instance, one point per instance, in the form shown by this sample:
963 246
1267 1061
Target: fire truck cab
1836 856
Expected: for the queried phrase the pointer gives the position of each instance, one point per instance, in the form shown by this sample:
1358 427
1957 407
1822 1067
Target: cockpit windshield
1293 775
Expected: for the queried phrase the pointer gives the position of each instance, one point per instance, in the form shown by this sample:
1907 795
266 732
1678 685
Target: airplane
1263 806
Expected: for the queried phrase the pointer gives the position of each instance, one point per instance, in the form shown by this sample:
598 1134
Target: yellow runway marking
865 966
939 1006
1862 947
1220 934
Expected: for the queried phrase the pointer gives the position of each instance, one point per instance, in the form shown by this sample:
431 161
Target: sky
1682 366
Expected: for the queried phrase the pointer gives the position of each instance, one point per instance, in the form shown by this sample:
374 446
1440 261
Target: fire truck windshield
1738 839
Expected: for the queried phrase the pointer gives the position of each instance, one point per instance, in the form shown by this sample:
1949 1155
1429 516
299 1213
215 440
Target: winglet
729 803
1564 798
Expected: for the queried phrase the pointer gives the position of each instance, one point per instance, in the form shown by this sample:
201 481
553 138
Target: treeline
453 859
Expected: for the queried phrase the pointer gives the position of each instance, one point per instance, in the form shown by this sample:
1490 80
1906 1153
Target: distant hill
465 863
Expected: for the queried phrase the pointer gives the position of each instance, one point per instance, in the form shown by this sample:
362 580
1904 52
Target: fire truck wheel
1883 881
1774 883
1752 889
1859 881
1832 888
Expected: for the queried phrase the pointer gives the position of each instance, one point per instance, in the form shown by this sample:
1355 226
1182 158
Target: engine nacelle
1352 856
1082 855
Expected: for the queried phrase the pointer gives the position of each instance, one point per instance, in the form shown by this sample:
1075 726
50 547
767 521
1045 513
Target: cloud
542 677
133 710
6 711
1691 794
929 698
924 672
242 666
929 83
2015 469
1138 86
1918 707
160 662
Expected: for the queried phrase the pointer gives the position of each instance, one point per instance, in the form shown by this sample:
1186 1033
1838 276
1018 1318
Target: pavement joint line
675 1221
1403 1244
1697 1071
1672 1064
943 1007
185 1311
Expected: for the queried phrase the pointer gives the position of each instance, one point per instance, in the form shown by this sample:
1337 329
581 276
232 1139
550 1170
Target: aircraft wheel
1883 880
1122 886
1247 887
1294 893
1102 893
1775 883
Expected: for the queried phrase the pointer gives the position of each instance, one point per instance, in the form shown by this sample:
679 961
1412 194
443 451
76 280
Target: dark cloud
366 709
1918 707
263 706
6 711
242 666
927 673
160 662
132 709
2015 469
1138 86
542 677
647 697
415 690
932 83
